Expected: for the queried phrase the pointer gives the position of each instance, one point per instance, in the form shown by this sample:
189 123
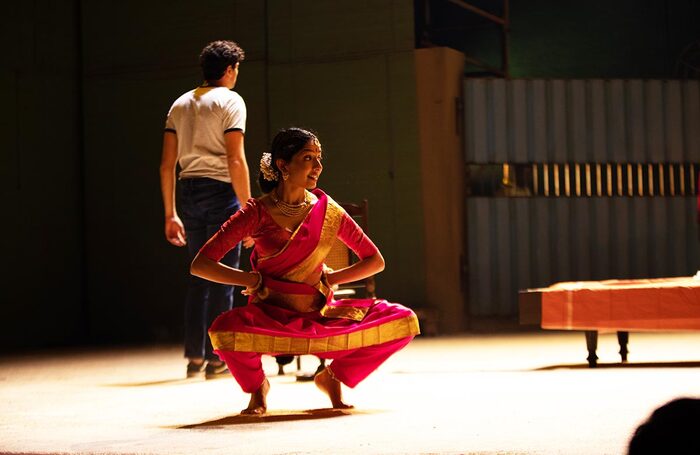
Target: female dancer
291 309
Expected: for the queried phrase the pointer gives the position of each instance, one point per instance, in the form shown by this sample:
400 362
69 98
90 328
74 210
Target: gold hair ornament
268 172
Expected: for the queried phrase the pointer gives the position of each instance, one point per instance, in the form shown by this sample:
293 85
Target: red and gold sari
289 314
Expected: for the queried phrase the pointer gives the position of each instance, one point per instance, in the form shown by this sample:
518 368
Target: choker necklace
291 210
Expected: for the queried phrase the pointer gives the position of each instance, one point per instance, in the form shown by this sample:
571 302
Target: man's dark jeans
205 204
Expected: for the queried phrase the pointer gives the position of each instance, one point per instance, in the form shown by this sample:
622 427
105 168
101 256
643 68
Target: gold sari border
253 342
344 312
323 289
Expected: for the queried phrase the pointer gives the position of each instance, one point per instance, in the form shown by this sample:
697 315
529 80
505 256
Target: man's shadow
176 381
270 417
616 365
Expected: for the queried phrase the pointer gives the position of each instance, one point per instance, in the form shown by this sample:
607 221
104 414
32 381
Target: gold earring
285 176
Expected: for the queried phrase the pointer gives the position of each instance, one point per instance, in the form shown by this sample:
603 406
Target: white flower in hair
268 172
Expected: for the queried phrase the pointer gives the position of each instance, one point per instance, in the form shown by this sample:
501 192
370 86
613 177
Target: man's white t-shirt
200 118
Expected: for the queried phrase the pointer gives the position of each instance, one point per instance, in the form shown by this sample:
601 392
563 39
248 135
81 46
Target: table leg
623 338
592 345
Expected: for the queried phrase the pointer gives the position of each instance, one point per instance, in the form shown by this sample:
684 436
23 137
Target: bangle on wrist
250 290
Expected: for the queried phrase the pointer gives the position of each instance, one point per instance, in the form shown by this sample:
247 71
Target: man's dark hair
217 56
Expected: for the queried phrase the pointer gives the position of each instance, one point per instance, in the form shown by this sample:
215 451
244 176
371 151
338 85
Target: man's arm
174 230
237 165
238 170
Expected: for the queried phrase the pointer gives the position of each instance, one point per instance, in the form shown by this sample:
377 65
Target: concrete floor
524 393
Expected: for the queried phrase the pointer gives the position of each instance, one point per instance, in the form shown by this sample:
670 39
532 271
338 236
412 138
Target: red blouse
253 220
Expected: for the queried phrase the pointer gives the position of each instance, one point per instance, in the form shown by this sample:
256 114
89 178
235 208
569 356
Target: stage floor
518 393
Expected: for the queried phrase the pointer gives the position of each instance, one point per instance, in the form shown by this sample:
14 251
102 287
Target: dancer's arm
208 269
361 269
371 260
206 263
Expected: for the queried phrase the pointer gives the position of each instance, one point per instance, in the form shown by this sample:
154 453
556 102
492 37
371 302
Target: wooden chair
340 256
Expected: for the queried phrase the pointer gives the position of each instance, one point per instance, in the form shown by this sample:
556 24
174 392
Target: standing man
204 134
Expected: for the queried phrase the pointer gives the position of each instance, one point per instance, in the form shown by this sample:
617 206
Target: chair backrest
341 256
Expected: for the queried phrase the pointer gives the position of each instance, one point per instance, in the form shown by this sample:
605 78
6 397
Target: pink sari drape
302 244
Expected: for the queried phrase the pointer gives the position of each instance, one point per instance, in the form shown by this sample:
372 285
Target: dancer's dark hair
286 143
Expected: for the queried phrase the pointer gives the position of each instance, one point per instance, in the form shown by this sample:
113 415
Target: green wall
41 281
601 39
558 39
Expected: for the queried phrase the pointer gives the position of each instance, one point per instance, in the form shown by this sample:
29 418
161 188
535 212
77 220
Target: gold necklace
292 210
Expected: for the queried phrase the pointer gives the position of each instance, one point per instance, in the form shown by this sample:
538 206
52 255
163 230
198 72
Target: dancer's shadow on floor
270 417
613 365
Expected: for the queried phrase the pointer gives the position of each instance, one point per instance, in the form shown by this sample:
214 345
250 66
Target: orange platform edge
659 304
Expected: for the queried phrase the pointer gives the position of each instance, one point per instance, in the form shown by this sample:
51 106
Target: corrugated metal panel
518 243
523 242
581 120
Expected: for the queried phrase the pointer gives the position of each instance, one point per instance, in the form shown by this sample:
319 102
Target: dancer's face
305 167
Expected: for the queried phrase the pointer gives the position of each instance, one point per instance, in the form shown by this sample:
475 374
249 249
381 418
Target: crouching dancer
291 309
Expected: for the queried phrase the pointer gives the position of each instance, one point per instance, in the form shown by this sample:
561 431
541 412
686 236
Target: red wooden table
660 304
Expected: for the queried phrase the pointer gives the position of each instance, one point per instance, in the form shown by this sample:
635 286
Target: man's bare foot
332 388
258 400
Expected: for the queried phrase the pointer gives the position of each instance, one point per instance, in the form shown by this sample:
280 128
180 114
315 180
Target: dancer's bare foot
332 388
258 400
